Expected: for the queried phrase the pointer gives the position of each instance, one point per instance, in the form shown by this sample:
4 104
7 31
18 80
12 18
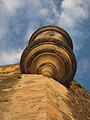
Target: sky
20 18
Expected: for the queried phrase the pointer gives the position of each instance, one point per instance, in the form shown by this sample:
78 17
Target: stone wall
35 97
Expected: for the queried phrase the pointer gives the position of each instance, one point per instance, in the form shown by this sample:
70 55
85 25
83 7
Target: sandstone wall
35 97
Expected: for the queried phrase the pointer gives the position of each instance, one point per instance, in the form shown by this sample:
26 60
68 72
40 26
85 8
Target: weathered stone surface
35 97
50 53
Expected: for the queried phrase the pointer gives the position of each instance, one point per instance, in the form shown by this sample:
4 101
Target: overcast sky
20 18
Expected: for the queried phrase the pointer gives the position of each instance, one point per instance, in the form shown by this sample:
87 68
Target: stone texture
50 53
35 97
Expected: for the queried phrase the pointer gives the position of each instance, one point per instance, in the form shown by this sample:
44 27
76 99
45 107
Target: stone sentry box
50 53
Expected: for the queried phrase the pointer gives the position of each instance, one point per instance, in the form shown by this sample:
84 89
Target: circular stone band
51 29
25 64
